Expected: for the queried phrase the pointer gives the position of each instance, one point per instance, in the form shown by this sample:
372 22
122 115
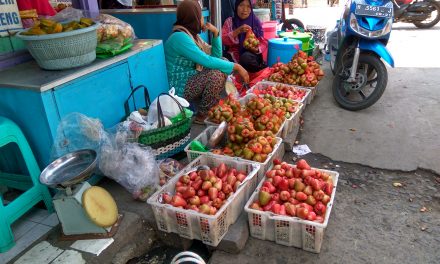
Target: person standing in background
42 6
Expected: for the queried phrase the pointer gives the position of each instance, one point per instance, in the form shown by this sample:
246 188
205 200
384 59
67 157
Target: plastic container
63 50
303 37
286 230
264 84
282 50
278 151
210 229
263 14
269 29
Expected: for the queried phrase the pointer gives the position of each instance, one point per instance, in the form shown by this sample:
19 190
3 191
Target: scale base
111 231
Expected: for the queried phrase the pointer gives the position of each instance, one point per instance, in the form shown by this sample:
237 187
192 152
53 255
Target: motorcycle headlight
369 33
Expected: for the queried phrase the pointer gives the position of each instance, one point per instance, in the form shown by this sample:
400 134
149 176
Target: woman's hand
242 72
210 27
242 29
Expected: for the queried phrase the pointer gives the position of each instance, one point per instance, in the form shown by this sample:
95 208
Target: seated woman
234 33
194 68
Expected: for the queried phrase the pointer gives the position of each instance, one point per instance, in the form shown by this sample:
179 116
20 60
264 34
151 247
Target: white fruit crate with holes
287 230
307 99
277 152
290 124
210 229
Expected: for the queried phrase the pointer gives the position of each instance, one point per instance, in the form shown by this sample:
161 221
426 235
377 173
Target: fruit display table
37 100
152 23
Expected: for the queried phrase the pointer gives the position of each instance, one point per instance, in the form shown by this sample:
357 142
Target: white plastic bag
169 107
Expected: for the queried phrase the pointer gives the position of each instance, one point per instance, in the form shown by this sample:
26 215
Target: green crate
11 44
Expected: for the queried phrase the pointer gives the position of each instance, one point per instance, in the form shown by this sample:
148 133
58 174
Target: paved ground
371 221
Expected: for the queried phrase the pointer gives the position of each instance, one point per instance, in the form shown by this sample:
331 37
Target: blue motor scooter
356 47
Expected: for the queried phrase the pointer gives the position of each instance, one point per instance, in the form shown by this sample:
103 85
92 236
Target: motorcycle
356 47
418 13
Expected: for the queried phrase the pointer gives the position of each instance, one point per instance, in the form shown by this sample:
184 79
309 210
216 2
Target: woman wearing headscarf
195 69
234 33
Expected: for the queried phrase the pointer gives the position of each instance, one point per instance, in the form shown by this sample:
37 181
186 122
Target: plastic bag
169 107
69 14
251 42
167 169
131 165
114 36
77 131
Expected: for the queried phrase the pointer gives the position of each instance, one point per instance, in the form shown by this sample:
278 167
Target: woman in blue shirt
195 69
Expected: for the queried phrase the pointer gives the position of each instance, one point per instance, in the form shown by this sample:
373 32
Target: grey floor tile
69 257
21 227
43 252
24 242
36 215
51 220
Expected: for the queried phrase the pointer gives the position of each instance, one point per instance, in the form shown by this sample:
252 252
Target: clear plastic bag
114 35
70 14
77 131
167 169
131 165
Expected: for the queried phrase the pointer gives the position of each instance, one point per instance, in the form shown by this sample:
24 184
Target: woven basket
63 50
165 140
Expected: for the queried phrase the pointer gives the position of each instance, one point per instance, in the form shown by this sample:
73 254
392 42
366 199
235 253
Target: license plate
376 11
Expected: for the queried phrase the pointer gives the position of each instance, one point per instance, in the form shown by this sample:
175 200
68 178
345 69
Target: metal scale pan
70 169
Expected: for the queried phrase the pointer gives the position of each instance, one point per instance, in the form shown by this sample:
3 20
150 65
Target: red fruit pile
205 191
301 70
245 142
297 191
283 91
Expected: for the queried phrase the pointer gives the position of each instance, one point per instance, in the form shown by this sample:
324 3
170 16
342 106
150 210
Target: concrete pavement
399 132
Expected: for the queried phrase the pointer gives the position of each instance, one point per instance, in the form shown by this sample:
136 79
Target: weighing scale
77 203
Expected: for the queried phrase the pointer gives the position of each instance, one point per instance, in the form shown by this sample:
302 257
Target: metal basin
70 169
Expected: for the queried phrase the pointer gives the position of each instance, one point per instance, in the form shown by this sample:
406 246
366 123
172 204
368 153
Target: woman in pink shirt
234 33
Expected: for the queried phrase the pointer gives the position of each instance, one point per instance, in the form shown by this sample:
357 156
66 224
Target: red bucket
269 32
270 29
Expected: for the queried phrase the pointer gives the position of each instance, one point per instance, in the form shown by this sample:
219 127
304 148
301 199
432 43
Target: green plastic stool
34 190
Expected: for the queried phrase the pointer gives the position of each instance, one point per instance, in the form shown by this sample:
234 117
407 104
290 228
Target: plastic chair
34 191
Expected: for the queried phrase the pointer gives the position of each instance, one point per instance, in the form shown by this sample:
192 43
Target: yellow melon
100 206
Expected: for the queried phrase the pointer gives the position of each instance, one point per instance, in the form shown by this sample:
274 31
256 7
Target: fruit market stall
37 99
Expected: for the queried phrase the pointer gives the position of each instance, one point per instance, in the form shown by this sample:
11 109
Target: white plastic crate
210 229
287 230
307 99
278 151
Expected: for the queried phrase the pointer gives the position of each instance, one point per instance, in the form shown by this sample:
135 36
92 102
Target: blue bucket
282 50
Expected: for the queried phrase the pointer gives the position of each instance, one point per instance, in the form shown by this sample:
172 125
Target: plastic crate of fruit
290 123
277 152
191 224
290 230
294 92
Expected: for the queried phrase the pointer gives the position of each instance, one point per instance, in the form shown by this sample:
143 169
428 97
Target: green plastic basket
63 50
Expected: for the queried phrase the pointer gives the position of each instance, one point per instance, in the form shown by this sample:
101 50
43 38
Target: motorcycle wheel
291 24
371 80
434 21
